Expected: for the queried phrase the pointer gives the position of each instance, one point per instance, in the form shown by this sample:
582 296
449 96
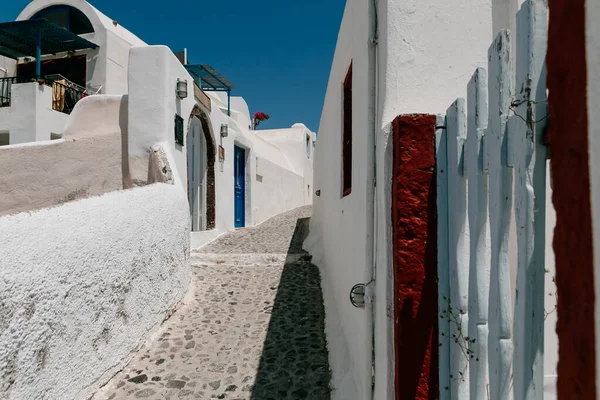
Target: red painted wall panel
571 197
415 257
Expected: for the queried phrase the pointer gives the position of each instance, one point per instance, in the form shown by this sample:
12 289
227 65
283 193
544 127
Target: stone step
249 259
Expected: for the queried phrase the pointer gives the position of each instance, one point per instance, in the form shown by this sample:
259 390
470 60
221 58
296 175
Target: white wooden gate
491 170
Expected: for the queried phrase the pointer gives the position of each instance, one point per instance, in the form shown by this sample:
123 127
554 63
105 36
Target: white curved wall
83 284
87 162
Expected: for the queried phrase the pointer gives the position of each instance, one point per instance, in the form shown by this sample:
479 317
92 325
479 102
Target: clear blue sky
276 52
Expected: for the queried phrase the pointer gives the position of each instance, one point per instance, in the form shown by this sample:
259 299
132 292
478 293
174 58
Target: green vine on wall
464 343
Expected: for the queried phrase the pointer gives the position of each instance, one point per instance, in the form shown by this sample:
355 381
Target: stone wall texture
568 134
415 257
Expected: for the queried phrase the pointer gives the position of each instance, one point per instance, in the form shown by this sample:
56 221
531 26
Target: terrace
39 39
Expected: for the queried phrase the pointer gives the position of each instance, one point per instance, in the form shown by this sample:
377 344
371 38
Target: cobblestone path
253 330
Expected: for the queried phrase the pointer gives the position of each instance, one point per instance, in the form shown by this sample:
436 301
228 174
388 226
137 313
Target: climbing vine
457 337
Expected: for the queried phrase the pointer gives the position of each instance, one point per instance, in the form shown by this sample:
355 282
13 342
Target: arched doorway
201 172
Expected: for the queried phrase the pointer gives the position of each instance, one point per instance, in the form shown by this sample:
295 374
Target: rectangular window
4 138
347 135
178 130
307 146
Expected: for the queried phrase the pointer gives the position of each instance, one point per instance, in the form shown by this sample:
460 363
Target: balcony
65 94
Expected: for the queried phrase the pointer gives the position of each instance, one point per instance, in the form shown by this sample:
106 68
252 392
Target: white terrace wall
30 116
425 55
83 284
87 162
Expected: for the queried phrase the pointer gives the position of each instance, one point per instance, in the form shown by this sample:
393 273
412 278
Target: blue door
239 186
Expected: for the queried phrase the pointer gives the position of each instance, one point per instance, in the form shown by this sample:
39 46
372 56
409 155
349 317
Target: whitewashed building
98 224
396 66
82 52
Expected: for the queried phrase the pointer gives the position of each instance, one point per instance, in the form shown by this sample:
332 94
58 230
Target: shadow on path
294 362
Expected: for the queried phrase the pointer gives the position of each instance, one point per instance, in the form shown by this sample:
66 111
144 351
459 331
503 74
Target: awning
210 80
25 38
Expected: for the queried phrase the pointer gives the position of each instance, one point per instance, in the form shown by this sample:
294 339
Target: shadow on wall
294 363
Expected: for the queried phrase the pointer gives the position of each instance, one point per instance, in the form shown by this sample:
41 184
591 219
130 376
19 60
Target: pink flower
261 116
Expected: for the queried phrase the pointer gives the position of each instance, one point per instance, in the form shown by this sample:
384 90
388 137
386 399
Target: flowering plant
259 117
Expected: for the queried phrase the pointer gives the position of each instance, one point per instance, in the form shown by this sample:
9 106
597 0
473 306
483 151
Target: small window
178 130
307 146
4 138
347 135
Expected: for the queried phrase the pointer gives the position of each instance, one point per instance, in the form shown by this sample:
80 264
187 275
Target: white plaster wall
243 117
152 108
425 57
340 239
83 284
428 52
276 191
8 67
30 116
88 162
292 142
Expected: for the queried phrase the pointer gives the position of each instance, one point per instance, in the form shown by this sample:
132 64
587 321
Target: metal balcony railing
6 89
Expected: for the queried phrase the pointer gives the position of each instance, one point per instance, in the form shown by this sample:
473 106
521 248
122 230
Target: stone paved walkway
253 330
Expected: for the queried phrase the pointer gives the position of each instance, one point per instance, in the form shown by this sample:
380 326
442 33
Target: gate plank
530 198
458 239
443 255
500 205
479 263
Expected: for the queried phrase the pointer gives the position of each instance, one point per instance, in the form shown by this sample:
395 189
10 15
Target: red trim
573 248
414 225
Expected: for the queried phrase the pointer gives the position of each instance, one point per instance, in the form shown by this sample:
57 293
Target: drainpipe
371 286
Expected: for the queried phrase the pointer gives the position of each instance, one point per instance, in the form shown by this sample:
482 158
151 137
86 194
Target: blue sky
277 53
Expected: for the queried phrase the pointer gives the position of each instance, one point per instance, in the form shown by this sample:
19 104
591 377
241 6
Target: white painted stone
83 284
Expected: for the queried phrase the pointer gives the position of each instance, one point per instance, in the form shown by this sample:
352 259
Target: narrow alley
251 328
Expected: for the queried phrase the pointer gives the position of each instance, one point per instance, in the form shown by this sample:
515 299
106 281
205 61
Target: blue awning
208 79
21 39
